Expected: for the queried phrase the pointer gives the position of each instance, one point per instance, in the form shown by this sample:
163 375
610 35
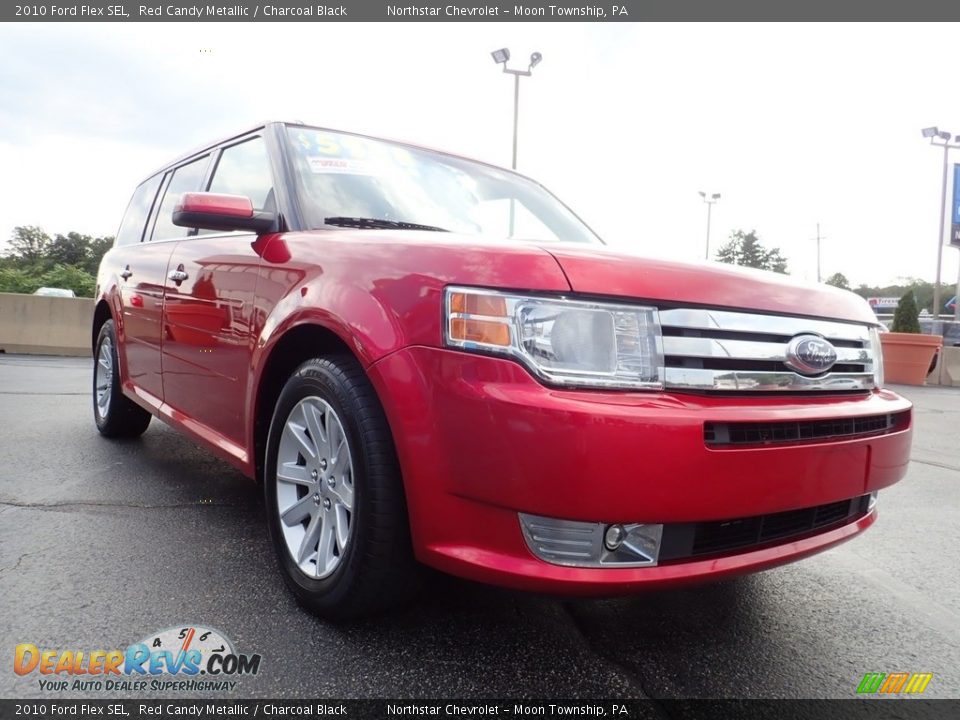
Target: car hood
604 271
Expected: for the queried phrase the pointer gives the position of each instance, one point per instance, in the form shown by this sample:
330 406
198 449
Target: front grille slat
723 351
719 435
709 538
826 514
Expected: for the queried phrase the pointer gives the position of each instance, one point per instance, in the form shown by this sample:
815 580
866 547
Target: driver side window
244 169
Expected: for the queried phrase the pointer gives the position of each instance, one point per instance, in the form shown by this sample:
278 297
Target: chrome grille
718 350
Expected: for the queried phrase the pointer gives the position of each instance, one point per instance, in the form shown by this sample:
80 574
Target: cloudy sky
794 124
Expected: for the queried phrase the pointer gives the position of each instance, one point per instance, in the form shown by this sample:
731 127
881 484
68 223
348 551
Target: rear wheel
116 415
334 496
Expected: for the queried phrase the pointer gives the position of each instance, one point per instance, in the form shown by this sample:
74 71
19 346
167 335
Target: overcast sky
794 124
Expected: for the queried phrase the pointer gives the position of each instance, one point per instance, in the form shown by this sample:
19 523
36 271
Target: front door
208 307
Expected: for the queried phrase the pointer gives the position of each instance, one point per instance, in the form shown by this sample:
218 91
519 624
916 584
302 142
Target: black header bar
330 709
480 11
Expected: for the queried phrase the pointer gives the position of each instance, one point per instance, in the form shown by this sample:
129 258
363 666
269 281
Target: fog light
614 536
590 544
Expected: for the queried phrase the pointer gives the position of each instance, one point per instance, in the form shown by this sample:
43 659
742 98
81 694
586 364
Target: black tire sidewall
319 380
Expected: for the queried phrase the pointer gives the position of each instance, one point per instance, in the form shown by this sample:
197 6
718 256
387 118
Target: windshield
353 181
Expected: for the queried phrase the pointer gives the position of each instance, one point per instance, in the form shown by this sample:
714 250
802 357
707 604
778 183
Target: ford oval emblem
810 355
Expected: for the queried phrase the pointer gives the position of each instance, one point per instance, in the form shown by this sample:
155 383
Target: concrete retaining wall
39 325
947 371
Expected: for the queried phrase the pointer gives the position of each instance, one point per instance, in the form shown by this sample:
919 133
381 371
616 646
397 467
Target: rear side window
244 169
186 178
131 227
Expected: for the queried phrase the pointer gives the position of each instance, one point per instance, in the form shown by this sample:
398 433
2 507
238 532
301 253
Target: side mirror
212 211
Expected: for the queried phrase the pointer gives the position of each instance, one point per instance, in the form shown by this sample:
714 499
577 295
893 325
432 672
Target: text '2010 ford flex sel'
429 359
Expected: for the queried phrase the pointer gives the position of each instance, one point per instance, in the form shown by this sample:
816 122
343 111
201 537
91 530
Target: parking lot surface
103 542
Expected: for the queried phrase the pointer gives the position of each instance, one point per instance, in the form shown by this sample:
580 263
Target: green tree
70 249
19 280
906 319
839 280
29 244
66 261
72 278
746 250
98 248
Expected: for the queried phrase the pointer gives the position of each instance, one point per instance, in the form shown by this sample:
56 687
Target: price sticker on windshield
339 166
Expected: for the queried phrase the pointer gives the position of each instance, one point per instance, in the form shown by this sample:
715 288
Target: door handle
178 275
127 273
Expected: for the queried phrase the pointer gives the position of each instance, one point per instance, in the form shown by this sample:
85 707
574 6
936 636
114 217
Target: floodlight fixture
944 135
930 132
535 59
501 55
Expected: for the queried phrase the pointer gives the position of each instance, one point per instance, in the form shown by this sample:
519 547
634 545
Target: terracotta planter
907 356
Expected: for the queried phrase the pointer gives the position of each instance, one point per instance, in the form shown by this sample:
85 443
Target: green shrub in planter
907 317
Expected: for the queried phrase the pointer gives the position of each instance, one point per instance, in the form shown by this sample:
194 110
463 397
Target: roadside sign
883 302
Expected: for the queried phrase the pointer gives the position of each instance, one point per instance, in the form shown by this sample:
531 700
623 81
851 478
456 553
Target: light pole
502 56
709 201
934 134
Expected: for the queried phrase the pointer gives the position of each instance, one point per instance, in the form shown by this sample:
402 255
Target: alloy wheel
315 491
103 377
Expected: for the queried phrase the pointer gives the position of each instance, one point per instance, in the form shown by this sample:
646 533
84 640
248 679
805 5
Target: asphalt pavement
103 542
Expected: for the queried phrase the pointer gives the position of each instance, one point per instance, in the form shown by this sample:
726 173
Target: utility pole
709 200
934 134
819 238
501 57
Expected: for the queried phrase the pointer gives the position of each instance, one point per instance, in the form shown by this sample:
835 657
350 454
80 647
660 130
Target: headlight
564 342
877 357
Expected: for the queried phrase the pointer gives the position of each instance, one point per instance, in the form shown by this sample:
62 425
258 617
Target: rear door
208 313
140 269
142 290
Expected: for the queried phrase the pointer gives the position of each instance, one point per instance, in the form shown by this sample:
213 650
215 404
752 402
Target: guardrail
39 325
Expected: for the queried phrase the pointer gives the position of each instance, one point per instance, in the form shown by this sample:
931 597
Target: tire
343 542
116 415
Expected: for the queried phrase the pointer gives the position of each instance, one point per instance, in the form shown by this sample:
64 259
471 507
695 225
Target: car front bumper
481 441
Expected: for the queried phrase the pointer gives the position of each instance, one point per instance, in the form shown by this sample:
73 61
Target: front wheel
334 496
116 415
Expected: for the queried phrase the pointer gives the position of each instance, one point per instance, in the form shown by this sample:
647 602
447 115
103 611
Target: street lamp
709 201
934 134
501 57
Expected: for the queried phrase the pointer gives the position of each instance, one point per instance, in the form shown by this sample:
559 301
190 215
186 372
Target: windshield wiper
378 224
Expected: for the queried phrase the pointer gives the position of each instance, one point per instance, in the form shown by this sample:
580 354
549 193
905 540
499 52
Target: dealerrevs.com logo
187 658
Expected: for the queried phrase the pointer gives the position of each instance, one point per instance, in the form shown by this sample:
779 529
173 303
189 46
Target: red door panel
207 330
141 299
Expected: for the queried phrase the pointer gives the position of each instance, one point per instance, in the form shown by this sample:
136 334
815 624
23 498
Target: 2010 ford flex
427 359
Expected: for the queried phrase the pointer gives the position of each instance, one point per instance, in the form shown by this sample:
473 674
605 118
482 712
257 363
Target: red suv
426 358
